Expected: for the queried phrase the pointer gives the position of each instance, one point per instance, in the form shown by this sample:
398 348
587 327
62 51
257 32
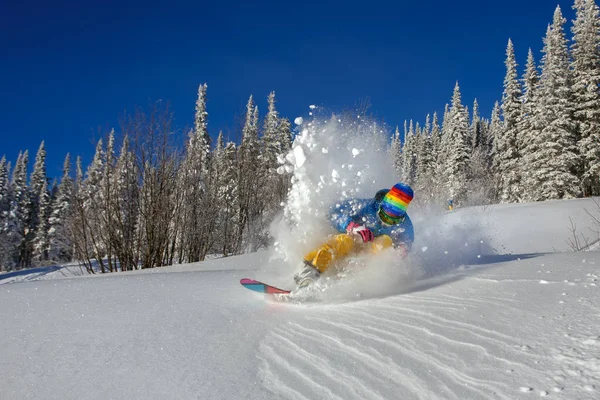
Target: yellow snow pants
339 246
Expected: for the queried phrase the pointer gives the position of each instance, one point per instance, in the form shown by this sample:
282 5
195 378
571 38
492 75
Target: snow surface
491 304
507 313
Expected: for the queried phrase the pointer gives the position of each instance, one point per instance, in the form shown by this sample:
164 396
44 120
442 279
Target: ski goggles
386 219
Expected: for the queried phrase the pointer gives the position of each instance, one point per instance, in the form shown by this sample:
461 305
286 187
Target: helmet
394 204
380 194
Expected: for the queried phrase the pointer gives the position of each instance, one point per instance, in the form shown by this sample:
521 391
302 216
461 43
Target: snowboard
262 287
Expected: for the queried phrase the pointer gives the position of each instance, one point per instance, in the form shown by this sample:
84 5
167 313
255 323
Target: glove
365 233
402 249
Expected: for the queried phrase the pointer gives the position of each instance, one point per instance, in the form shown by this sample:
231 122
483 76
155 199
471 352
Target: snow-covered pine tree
436 139
270 135
467 113
227 200
247 154
482 175
585 52
508 157
6 247
416 152
457 150
528 130
39 176
201 127
194 181
208 211
424 177
61 248
108 231
19 219
276 142
285 139
126 207
250 205
496 127
4 191
475 128
396 151
37 237
217 167
555 161
436 168
478 172
41 234
189 184
78 223
442 152
409 156
231 197
92 217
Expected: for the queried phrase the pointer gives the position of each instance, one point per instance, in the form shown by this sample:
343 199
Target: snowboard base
281 295
261 287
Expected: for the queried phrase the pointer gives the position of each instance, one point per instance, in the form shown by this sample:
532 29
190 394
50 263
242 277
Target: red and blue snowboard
261 287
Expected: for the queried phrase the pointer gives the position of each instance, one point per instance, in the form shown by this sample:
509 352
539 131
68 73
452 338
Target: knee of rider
382 242
345 242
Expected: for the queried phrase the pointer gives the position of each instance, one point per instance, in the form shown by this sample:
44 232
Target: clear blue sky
68 68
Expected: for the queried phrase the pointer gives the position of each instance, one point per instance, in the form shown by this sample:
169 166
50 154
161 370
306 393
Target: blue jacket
364 212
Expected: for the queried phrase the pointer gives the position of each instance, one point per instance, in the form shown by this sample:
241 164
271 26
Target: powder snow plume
337 158
333 159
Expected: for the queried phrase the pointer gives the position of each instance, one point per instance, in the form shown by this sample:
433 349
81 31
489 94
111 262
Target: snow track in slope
494 333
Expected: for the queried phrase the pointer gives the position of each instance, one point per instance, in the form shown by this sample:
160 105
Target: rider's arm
404 234
340 216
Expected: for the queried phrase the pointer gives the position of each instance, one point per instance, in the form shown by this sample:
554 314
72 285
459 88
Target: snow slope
498 316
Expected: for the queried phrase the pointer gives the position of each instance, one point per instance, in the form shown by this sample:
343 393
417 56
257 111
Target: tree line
542 141
149 203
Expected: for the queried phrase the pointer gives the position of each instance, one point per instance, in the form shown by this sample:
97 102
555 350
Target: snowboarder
365 225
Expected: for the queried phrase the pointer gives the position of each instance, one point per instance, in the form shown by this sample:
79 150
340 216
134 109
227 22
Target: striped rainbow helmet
394 204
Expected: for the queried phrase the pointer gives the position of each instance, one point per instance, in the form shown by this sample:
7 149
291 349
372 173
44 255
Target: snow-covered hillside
495 313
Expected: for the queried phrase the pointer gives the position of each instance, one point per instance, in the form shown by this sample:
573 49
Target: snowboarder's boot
307 276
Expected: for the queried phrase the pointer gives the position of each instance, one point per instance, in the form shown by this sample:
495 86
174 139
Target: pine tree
475 128
4 191
442 151
200 127
272 147
276 141
495 131
556 160
436 138
250 206
227 200
108 210
127 205
230 196
585 52
424 176
417 146
6 247
91 229
197 190
409 156
528 130
59 234
19 219
508 151
38 216
41 239
457 150
396 151
283 181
